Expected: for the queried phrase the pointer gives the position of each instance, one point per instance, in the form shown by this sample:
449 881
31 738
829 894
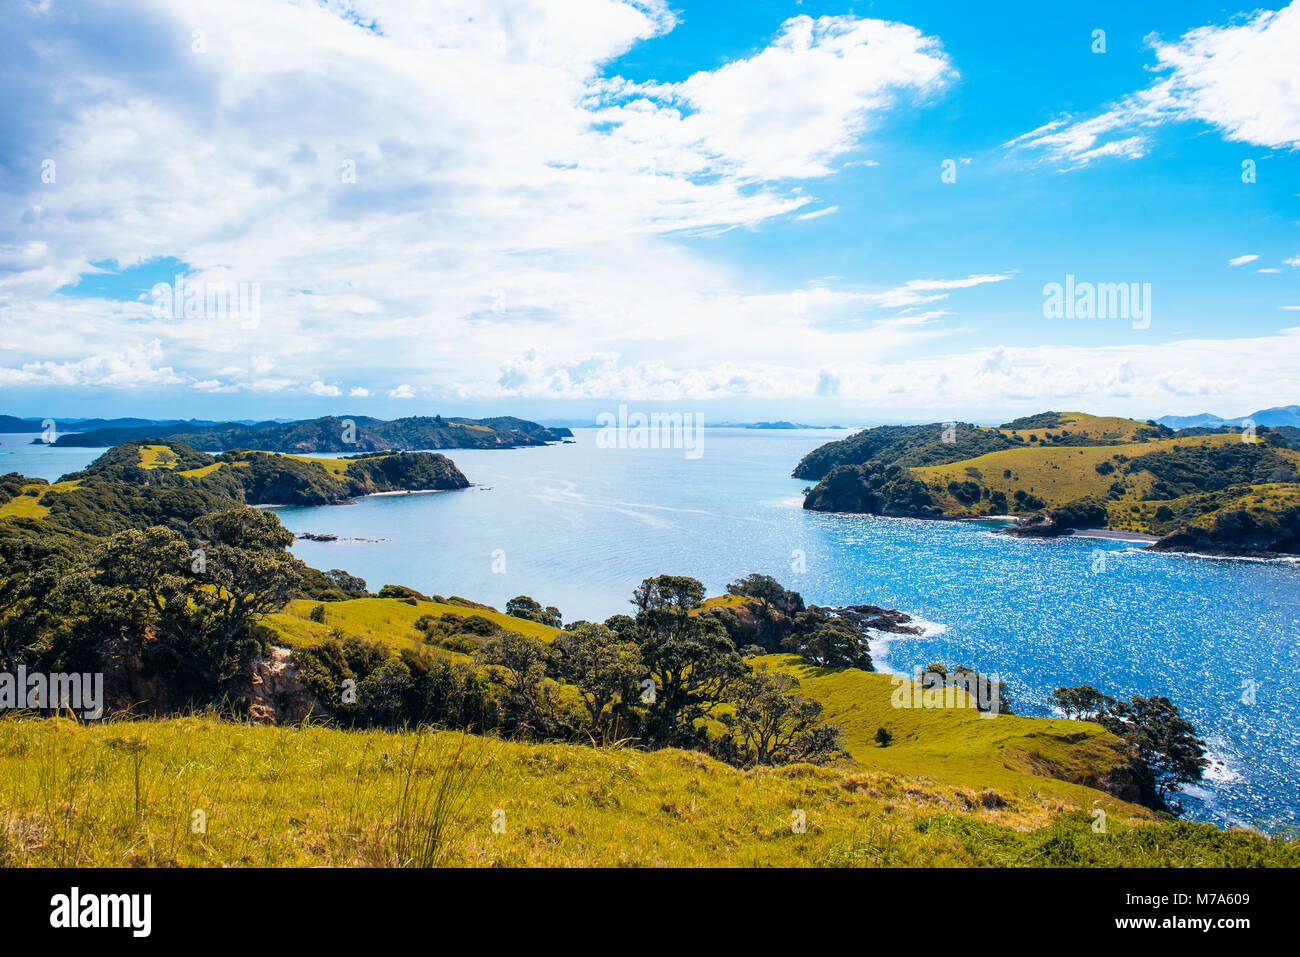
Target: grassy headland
1219 491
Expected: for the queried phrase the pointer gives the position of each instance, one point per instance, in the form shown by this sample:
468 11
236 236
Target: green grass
27 504
1047 758
389 620
1055 473
126 794
157 457
336 467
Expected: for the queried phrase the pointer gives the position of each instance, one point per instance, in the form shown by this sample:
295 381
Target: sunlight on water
580 526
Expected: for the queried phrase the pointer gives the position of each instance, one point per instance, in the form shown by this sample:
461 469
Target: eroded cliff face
274 690
271 691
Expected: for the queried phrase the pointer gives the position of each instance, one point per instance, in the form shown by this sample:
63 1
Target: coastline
1117 535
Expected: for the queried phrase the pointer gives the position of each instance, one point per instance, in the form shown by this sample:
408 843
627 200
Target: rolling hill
1220 490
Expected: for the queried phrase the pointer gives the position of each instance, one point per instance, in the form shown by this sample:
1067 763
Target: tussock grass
127 794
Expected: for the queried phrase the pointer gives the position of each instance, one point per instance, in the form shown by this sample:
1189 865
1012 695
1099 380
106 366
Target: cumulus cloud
1243 79
411 187
1118 378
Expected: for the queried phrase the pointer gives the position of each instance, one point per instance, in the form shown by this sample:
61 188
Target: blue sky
734 208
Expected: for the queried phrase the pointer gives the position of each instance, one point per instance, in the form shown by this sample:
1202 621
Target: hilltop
1198 490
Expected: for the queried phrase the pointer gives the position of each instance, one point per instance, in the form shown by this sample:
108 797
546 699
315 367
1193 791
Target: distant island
313 436
1208 490
781 424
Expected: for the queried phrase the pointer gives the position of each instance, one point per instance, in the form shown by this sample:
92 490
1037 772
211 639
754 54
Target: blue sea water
578 526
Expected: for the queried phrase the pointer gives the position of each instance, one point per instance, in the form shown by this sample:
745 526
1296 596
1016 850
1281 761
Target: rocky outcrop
878 619
270 692
1042 525
273 691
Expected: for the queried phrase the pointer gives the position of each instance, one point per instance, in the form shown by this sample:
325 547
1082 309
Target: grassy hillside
27 504
1080 427
134 794
1055 473
390 620
1012 754
1141 477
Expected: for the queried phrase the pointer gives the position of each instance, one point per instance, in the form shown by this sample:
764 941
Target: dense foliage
903 445
1208 468
872 489
668 676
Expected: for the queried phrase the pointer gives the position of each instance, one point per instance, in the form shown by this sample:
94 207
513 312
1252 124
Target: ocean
578 526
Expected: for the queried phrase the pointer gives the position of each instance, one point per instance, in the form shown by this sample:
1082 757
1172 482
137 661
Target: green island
308 720
327 434
1216 491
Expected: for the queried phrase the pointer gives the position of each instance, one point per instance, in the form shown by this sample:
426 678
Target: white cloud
1242 260
359 392
1242 79
819 213
1122 378
787 111
129 367
413 200
403 391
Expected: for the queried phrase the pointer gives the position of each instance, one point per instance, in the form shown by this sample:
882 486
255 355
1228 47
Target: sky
825 212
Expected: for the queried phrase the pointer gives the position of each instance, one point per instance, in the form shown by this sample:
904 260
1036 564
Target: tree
1084 703
521 606
675 593
188 610
769 591
828 640
1162 745
346 580
605 669
521 664
34 559
884 737
689 656
772 725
